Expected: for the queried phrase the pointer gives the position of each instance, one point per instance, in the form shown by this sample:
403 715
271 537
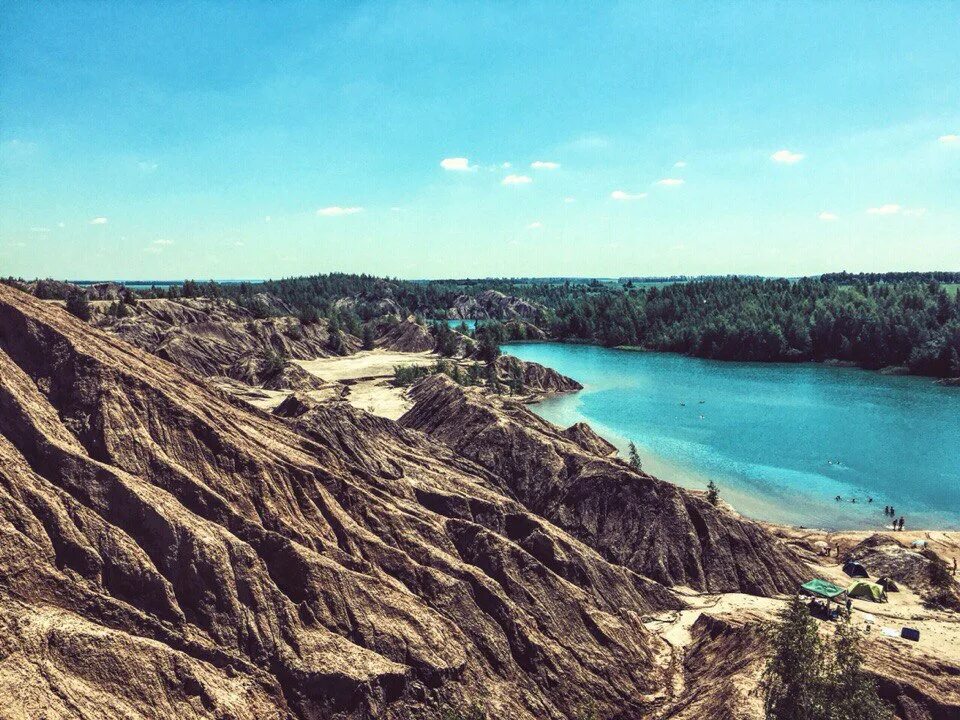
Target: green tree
368 337
793 680
713 493
79 304
635 461
807 678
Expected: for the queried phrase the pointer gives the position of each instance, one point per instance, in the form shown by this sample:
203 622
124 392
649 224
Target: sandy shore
368 376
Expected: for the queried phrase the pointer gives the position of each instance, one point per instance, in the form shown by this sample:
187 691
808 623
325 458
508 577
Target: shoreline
786 505
890 370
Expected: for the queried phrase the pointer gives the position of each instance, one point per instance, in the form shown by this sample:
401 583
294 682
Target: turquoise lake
781 440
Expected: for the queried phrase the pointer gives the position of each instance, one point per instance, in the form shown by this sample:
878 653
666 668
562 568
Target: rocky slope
167 553
632 519
218 337
533 376
494 305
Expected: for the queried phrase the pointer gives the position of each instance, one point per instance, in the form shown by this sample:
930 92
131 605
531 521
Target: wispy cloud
337 211
787 157
457 164
888 209
680 164
670 182
544 165
16 148
624 195
146 166
569 199
61 225
950 139
915 212
99 221
163 242
507 165
267 218
516 180
39 230
535 225
828 216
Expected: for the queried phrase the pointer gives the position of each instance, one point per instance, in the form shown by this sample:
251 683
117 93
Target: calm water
455 324
781 440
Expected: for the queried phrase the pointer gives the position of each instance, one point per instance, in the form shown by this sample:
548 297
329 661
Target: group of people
889 511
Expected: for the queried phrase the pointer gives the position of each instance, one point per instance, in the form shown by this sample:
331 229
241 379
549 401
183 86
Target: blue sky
263 140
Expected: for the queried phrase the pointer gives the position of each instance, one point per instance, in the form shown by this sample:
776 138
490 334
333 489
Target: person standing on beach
901 523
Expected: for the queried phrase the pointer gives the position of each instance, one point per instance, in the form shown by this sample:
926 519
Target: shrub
79 304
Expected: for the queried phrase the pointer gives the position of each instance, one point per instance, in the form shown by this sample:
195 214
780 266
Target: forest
908 321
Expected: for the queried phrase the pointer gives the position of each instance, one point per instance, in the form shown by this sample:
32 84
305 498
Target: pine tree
635 461
713 493
79 304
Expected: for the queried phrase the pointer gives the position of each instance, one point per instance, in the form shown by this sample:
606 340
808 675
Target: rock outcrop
534 376
584 436
494 305
218 337
632 519
167 553
405 336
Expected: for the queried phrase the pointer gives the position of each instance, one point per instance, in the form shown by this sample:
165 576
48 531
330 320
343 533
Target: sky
424 140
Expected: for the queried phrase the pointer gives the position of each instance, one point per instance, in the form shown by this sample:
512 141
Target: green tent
867 590
822 588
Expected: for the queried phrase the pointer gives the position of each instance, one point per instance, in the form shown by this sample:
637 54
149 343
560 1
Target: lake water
455 324
780 440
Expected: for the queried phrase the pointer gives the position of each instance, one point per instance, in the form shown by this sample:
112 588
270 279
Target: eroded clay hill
217 337
632 519
166 553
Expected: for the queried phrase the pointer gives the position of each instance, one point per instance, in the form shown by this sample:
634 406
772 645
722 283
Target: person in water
901 523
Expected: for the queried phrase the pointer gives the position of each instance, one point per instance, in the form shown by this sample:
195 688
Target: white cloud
507 165
949 139
623 195
680 164
162 242
238 243
544 165
569 200
670 182
99 221
457 164
336 211
61 225
39 230
535 225
516 180
888 209
787 157
828 216
267 218
146 166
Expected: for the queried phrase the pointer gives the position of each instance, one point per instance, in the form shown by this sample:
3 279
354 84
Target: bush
79 304
404 375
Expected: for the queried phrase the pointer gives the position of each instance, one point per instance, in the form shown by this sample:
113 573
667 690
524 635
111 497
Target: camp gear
910 634
888 584
822 588
867 590
855 569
